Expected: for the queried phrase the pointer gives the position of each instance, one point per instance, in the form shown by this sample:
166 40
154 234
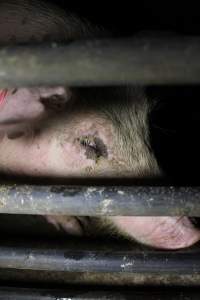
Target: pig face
83 142
75 145
76 135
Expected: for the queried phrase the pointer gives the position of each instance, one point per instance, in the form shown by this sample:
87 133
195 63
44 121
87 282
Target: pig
96 132
25 107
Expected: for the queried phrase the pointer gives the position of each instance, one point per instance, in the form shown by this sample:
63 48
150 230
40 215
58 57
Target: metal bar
78 258
100 200
167 60
78 293
53 279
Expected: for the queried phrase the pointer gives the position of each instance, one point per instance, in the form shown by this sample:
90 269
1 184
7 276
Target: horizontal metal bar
78 258
167 60
100 200
51 278
78 293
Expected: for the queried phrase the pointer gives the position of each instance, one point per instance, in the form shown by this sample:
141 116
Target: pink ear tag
3 94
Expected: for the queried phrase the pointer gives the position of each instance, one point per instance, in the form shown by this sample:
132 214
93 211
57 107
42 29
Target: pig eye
95 148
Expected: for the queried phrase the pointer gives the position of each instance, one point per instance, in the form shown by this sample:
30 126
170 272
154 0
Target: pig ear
56 97
22 108
61 91
159 232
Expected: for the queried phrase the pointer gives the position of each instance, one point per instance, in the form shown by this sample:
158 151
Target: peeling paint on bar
100 200
68 258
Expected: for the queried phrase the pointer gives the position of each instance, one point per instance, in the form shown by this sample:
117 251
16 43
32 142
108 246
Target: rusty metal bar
167 60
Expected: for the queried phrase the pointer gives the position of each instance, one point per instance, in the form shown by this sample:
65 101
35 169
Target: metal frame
15 293
100 200
88 63
78 257
140 60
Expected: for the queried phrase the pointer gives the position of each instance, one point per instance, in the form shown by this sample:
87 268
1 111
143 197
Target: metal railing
174 60
100 200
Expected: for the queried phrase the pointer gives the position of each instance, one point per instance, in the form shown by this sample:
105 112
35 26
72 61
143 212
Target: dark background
126 17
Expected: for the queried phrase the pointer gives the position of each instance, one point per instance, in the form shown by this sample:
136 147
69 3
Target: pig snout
159 232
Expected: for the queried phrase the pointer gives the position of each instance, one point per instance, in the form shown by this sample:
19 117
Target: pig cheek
75 158
159 232
36 157
40 159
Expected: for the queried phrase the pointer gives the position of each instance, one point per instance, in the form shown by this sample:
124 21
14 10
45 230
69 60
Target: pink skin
159 232
21 107
55 150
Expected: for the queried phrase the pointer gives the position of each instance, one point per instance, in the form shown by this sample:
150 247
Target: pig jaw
159 232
